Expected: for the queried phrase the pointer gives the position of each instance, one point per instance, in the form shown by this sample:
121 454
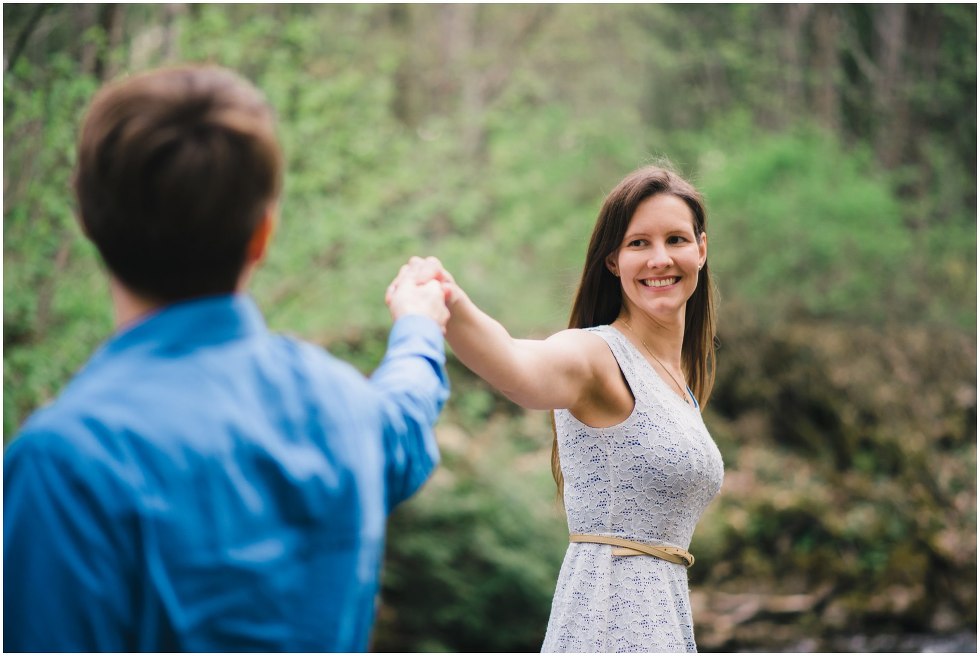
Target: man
203 484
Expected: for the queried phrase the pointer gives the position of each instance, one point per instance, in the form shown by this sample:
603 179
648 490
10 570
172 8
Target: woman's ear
702 249
612 265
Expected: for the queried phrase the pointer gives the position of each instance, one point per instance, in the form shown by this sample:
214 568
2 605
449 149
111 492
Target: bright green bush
801 226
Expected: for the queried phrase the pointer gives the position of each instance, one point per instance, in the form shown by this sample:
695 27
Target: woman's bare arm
571 369
557 372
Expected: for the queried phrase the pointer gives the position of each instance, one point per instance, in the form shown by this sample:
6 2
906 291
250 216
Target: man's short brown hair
176 168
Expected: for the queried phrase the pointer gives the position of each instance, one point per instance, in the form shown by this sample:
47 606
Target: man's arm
414 386
412 378
65 573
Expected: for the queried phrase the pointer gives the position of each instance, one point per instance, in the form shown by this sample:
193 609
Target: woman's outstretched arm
572 369
562 371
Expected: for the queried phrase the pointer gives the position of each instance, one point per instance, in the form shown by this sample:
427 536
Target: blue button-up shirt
206 485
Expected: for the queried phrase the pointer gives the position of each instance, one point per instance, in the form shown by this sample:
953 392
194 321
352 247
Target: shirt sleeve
413 384
63 572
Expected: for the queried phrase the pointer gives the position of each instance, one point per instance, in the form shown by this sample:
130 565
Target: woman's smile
660 282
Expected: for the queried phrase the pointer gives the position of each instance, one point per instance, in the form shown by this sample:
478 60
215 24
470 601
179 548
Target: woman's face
659 258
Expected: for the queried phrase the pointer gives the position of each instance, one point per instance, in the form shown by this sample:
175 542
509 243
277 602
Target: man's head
178 169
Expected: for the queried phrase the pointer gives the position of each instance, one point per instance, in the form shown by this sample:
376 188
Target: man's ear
258 245
611 264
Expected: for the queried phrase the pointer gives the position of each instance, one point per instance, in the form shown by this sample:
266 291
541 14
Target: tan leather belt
630 548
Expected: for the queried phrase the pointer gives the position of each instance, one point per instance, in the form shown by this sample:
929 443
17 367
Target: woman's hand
419 288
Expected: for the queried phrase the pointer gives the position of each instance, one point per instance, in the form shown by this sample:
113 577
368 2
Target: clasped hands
422 286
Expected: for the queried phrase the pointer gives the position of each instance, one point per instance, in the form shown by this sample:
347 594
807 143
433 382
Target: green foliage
55 309
805 228
471 545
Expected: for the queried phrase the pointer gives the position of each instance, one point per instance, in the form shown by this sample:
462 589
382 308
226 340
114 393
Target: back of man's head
176 169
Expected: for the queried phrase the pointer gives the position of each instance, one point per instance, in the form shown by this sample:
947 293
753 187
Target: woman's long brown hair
599 298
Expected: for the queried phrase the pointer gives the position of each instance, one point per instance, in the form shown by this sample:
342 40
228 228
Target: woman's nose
659 259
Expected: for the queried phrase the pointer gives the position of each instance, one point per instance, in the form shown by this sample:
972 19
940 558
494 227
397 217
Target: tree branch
24 35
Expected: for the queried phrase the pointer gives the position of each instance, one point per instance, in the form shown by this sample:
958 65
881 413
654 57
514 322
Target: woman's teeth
662 282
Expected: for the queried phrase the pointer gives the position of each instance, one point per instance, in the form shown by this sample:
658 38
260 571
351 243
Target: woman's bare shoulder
588 346
607 400
583 334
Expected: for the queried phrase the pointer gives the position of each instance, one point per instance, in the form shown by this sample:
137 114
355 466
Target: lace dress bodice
647 479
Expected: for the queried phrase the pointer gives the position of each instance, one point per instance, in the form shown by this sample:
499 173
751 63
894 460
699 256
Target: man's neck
129 308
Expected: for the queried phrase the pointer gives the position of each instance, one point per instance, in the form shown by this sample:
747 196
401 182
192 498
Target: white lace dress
647 479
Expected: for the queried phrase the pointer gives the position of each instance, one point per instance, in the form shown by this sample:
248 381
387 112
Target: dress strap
633 548
642 379
626 357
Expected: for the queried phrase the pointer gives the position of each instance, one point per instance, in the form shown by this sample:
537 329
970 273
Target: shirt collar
192 323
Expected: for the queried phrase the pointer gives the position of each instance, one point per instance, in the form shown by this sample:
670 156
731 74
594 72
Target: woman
626 382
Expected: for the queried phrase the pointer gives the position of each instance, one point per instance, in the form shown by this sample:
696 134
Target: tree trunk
459 24
827 37
85 17
889 99
795 17
96 54
25 34
404 104
111 22
171 31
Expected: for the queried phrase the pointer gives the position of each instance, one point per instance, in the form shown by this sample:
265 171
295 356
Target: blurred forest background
836 146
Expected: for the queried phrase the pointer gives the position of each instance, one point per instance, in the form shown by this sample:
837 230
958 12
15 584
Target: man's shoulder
66 447
128 398
64 428
317 365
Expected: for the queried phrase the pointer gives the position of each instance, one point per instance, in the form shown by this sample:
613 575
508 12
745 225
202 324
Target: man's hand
421 287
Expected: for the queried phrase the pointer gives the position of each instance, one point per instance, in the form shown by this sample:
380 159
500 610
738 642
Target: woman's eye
636 243
676 239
